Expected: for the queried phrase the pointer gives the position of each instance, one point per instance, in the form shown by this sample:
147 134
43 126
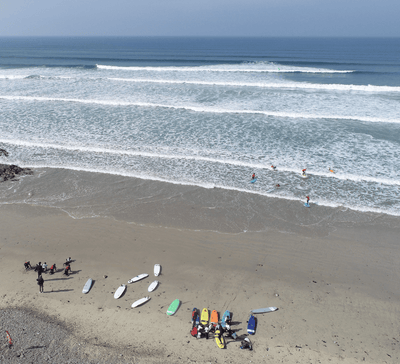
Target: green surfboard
173 307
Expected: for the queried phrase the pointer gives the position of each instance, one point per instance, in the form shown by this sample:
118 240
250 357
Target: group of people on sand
43 268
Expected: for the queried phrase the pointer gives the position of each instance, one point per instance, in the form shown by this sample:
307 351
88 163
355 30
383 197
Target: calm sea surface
210 112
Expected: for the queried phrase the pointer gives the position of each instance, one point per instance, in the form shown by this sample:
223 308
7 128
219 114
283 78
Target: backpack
194 332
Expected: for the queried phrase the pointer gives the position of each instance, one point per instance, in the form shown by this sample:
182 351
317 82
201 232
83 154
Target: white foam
12 77
355 178
205 109
283 85
223 68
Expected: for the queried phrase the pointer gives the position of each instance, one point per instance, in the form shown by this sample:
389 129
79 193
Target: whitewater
214 118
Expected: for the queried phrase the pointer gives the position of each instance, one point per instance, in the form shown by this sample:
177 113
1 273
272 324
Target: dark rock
10 171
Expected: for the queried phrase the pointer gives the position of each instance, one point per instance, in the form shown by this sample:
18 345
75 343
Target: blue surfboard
225 317
253 180
195 316
306 204
251 325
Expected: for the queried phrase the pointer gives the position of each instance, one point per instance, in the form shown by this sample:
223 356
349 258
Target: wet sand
336 285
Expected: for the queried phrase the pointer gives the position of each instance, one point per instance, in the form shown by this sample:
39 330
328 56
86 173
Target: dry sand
337 293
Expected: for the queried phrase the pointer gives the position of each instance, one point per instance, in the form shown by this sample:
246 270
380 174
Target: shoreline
336 290
152 203
233 190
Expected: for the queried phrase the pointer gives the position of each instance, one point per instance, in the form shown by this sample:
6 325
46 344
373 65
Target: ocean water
209 112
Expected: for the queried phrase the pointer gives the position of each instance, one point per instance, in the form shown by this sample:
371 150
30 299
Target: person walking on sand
53 268
40 281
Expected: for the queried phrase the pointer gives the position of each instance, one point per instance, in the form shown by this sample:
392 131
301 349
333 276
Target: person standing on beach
40 281
39 269
308 199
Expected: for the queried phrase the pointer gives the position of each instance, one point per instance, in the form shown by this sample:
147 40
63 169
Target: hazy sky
201 17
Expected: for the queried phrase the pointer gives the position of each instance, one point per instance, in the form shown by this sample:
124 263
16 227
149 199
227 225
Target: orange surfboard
214 317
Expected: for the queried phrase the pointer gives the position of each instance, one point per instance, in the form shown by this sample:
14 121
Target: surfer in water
277 185
304 171
273 167
253 176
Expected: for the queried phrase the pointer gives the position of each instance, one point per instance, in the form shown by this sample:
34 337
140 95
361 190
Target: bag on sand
194 332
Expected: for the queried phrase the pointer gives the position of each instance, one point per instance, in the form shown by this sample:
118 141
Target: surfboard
118 293
138 278
225 317
204 317
214 317
303 175
87 286
264 310
251 325
157 269
195 315
219 338
306 204
140 302
173 307
153 286
253 180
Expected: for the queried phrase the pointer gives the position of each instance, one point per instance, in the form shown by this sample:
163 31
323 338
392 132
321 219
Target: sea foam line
203 109
286 85
344 177
279 69
209 186
283 85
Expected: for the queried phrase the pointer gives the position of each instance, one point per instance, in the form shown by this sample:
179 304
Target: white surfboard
264 310
153 286
118 293
140 302
157 269
87 286
138 278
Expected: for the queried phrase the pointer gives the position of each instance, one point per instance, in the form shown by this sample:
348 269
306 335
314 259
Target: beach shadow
57 279
236 322
76 271
60 290
36 347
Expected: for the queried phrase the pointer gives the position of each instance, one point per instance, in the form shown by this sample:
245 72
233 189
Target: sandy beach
336 285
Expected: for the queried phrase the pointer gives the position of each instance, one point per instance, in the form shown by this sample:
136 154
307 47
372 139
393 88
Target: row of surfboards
205 318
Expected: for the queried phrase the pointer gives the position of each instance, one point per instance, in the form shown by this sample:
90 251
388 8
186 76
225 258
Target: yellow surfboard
219 339
214 317
204 317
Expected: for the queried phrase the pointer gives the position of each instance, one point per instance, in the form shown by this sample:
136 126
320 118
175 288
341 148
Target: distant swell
204 109
275 69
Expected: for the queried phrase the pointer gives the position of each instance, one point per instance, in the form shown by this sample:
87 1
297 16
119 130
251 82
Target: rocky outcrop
11 171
